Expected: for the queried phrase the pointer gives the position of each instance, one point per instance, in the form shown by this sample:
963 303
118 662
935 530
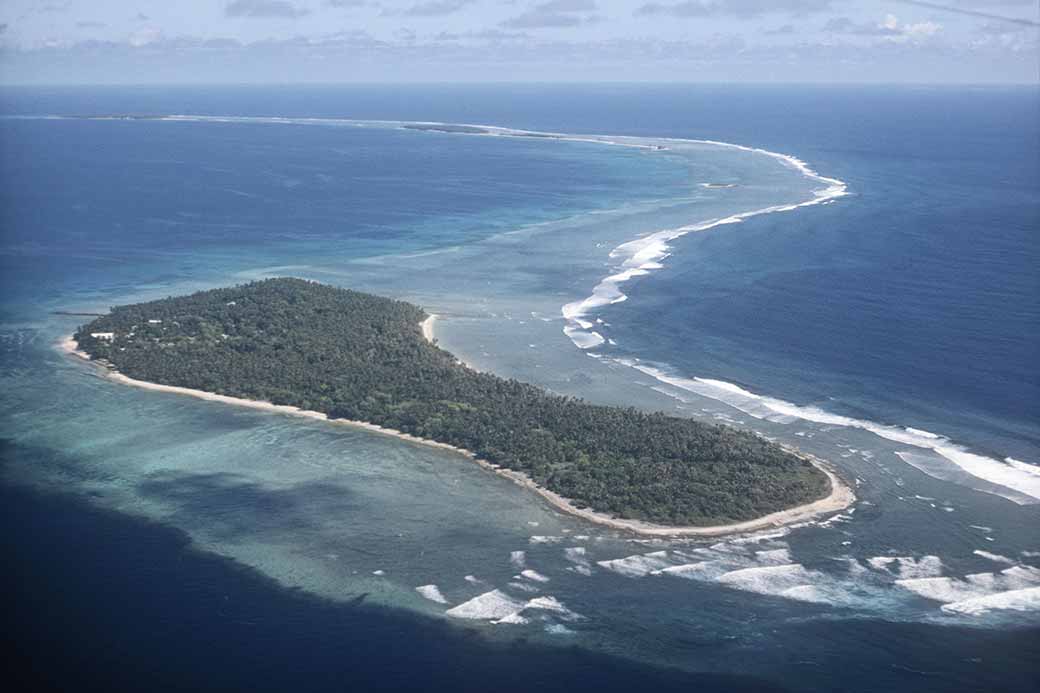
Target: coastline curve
840 497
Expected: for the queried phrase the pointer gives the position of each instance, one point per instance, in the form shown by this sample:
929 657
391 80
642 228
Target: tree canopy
357 356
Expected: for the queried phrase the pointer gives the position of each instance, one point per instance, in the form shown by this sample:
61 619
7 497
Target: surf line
637 257
1011 479
644 254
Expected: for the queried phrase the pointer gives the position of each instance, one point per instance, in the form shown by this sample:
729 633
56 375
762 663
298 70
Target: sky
308 41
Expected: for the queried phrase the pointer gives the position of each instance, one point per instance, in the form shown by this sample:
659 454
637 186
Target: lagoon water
890 327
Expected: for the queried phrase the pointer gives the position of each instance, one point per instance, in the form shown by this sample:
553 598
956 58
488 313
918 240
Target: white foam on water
431 592
578 556
1027 599
583 339
489 606
1008 480
541 539
1014 484
518 559
768 535
703 570
796 582
514 618
653 252
549 603
473 580
1023 466
979 592
774 556
1016 577
907 567
637 565
641 256
558 629
546 603
575 554
996 558
522 587
943 589
836 519
771 579
534 575
813 593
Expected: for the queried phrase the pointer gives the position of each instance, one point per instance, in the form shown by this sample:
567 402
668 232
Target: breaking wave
1012 479
431 592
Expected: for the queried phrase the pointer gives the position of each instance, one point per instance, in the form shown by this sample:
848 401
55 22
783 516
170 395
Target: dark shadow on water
232 505
97 600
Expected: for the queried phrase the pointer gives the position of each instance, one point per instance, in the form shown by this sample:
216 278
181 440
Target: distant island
352 356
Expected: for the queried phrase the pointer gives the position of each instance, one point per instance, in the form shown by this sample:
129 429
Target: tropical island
364 359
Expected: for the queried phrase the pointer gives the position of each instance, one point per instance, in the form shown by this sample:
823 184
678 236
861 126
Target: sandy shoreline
840 497
427 327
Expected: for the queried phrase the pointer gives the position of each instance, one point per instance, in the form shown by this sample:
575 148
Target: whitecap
1027 599
774 556
549 603
1013 480
578 556
996 558
907 567
771 579
637 565
973 587
431 592
514 618
488 606
701 570
643 255
522 587
1023 466
942 589
575 554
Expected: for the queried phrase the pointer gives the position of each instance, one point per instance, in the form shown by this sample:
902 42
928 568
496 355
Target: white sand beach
840 497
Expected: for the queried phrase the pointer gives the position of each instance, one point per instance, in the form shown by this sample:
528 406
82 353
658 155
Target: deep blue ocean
187 546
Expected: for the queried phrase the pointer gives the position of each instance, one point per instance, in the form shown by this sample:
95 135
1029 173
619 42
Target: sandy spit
427 327
839 498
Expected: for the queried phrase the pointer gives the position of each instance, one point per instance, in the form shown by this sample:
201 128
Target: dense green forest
357 356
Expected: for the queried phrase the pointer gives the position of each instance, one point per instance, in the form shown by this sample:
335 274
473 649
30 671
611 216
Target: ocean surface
852 271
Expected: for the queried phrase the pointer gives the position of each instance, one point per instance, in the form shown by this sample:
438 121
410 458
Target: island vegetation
352 355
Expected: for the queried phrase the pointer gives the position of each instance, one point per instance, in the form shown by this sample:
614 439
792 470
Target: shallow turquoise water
495 235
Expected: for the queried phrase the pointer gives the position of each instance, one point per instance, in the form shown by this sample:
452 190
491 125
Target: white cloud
734 8
888 29
145 36
264 8
909 32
